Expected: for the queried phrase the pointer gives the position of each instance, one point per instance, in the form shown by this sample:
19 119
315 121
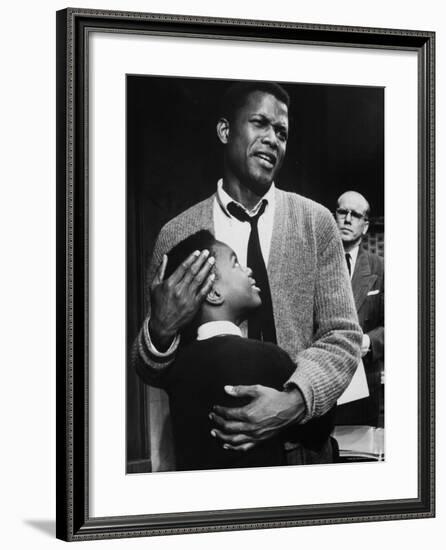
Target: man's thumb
241 391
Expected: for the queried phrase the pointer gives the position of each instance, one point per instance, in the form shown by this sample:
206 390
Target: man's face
351 217
234 282
256 141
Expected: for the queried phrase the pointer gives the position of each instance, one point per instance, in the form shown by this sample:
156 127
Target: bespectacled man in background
367 276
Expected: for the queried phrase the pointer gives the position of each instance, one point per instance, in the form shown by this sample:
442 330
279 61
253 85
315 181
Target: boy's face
234 282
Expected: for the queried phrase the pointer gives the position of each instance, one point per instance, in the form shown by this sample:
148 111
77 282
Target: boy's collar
217 328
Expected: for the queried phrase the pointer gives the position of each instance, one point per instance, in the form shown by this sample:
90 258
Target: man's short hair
236 95
202 240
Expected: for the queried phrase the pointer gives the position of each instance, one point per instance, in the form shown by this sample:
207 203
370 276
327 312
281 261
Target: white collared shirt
235 233
353 257
217 328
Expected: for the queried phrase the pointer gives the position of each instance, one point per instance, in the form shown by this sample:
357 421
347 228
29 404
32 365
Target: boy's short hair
202 240
236 95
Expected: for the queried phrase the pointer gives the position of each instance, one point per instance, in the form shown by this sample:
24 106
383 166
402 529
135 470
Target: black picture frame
73 520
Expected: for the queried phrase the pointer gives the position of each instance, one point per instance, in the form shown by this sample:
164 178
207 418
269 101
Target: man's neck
348 247
240 193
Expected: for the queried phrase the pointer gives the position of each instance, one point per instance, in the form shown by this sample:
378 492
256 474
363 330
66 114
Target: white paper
360 441
358 387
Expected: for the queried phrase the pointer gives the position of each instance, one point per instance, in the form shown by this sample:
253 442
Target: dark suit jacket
368 291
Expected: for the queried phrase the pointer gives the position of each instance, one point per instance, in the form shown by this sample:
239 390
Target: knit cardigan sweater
314 310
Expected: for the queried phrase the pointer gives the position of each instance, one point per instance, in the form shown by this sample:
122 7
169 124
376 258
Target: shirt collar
353 257
224 199
217 328
354 254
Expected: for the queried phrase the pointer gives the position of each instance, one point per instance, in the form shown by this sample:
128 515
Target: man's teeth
267 158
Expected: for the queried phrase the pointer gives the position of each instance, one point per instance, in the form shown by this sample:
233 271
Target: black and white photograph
254 273
230 193
200 201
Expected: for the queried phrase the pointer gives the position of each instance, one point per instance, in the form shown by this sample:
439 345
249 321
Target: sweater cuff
152 356
301 383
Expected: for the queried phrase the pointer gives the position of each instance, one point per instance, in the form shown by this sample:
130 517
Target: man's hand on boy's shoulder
269 410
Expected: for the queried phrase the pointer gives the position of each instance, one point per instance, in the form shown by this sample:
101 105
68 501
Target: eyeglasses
342 213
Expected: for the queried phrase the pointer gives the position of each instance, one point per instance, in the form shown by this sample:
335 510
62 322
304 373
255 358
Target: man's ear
214 297
223 130
366 228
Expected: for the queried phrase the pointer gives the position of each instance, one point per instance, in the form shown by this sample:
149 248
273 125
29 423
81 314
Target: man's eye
283 136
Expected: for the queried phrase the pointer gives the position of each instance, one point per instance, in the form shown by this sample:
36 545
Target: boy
215 355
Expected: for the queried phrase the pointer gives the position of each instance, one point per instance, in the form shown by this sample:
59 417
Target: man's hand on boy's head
241 428
175 301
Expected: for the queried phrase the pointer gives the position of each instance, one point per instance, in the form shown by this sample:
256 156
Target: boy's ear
223 130
214 297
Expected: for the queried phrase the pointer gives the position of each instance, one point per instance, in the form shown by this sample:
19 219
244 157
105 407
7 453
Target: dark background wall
174 159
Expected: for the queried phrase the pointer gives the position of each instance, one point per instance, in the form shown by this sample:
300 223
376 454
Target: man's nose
348 216
248 271
270 136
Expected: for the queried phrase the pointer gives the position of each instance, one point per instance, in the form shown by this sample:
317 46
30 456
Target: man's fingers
205 289
202 275
231 413
238 442
234 439
239 448
242 391
185 266
203 261
229 426
159 275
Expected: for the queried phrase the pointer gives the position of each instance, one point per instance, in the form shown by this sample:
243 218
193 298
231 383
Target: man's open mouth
269 160
253 284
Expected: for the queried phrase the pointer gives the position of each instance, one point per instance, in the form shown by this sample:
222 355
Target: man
306 292
367 276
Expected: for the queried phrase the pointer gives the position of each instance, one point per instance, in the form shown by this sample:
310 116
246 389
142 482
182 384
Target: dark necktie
348 259
261 323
